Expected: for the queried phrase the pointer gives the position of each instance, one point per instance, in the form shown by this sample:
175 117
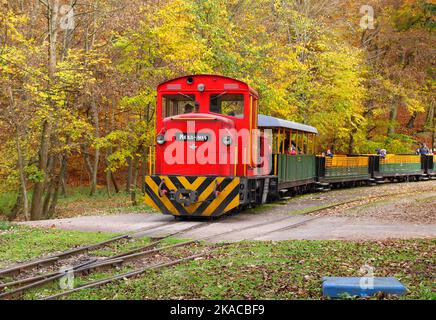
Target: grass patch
263 207
313 209
5 225
280 270
120 247
77 202
19 243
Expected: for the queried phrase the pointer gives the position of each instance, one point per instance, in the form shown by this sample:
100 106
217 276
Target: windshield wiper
186 96
218 95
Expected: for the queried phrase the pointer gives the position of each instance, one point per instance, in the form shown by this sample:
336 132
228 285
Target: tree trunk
38 189
351 143
108 172
129 174
393 118
64 170
63 184
94 110
108 183
20 165
18 207
115 183
49 186
55 193
44 146
22 178
58 182
411 122
134 180
143 170
433 121
135 172
430 124
87 161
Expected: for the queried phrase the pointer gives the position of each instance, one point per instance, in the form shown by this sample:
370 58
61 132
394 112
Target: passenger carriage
344 169
394 166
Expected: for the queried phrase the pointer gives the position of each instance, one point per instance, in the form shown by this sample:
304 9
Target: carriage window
175 104
228 104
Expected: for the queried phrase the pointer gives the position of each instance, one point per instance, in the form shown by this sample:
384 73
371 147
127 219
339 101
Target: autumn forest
78 80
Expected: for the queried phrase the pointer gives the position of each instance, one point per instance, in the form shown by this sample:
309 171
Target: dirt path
401 210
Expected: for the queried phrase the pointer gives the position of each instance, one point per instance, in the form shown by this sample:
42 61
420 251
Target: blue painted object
335 287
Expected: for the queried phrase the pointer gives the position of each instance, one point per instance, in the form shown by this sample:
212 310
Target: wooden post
306 136
297 138
278 141
283 142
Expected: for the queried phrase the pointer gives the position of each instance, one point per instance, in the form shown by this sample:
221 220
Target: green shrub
7 202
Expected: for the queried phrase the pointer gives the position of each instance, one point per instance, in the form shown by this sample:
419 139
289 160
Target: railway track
20 286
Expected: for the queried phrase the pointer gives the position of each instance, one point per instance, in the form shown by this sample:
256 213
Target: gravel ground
418 208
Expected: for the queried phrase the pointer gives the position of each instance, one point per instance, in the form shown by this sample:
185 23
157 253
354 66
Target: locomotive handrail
201 119
150 159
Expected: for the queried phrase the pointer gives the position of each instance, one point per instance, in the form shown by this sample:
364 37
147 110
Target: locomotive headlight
227 140
201 87
160 139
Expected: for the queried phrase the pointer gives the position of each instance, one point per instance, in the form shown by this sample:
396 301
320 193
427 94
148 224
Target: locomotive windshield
228 104
175 104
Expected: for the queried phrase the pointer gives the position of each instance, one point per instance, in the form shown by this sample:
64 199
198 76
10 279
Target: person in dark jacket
424 150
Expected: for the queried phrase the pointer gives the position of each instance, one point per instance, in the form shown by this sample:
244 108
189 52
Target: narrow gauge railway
215 154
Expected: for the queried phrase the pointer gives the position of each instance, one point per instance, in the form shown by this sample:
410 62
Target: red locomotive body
205 142
218 104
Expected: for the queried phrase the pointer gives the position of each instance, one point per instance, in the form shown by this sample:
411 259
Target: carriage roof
272 122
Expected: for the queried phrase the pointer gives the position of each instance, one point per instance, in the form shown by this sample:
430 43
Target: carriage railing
346 161
400 158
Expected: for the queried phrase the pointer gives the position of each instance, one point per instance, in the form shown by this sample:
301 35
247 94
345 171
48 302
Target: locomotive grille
215 195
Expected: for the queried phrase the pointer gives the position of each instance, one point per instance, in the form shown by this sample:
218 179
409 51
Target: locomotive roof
221 82
272 122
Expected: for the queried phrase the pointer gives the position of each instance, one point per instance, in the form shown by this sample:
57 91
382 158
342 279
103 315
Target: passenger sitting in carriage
381 152
290 149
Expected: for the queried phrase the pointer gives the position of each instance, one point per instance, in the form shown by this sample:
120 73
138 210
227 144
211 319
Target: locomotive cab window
228 104
175 104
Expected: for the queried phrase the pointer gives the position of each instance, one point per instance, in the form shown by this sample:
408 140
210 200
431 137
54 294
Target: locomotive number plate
192 137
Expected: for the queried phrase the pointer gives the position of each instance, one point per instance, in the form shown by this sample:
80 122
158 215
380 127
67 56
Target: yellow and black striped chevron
214 195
